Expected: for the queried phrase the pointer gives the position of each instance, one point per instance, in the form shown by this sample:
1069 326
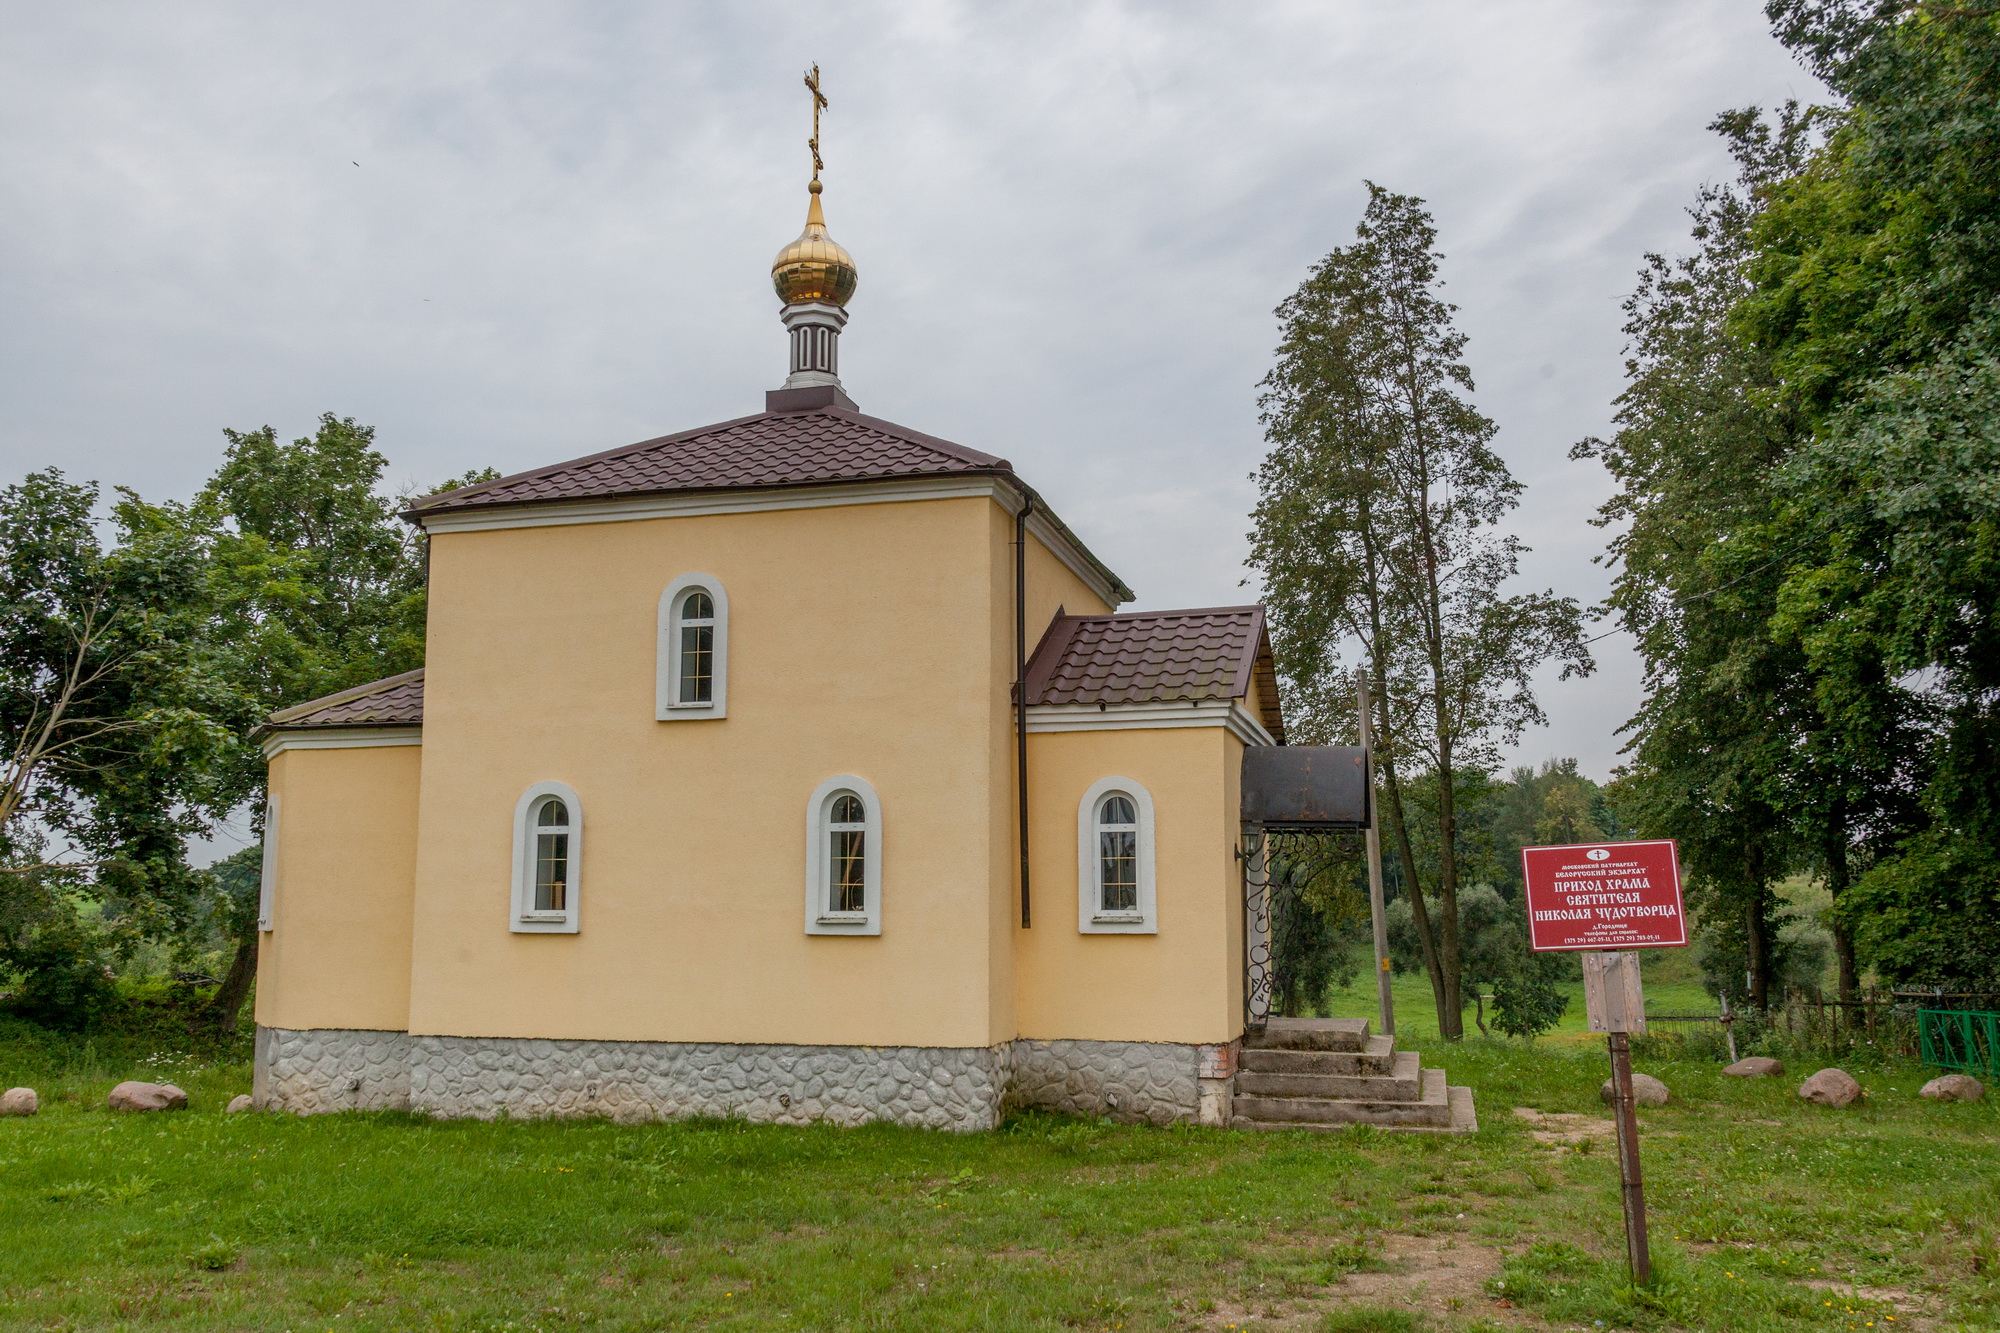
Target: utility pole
1378 916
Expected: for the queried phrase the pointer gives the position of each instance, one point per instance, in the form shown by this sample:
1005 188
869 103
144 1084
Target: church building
798 767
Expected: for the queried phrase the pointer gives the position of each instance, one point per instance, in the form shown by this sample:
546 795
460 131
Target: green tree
315 585
1876 297
1377 537
1734 752
114 727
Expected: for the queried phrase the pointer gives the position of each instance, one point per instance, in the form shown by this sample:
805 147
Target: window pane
554 815
1118 868
697 663
847 870
847 809
1117 810
697 607
551 872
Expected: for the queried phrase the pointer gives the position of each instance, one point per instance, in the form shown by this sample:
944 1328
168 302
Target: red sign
1604 895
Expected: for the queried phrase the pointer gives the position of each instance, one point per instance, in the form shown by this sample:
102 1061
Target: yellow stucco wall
874 639
1183 984
1050 586
338 955
860 642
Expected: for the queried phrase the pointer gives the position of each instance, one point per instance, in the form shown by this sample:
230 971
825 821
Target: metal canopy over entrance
1300 802
1306 788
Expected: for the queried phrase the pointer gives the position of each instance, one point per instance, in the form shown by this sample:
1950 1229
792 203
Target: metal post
1377 915
1638 1256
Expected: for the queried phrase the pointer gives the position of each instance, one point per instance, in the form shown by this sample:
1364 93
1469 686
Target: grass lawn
1769 1214
1672 983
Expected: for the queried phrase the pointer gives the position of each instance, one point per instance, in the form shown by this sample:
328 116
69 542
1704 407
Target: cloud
507 234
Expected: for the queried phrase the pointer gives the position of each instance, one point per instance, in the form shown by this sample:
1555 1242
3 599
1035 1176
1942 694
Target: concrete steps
1378 1058
1322 1073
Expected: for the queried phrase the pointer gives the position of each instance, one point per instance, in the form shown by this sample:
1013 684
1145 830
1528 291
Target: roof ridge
1247 608
957 453
346 696
964 453
430 502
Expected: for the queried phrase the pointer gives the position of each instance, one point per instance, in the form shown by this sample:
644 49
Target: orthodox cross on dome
819 105
815 277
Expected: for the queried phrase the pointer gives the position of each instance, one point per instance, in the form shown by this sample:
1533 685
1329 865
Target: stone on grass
21 1101
1757 1066
1950 1088
240 1102
1831 1087
1646 1091
135 1096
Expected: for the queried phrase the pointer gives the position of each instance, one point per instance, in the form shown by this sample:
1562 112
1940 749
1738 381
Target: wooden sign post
1615 1004
1605 899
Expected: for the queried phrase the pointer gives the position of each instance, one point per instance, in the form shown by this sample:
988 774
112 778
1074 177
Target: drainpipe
1021 690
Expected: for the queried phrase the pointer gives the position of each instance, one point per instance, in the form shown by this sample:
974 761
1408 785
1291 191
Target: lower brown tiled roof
1197 656
397 701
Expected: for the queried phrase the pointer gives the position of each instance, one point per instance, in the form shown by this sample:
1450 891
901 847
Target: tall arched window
1114 860
1117 854
844 859
693 655
846 854
697 648
551 855
548 852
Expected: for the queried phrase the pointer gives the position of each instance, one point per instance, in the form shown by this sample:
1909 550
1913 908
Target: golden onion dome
814 267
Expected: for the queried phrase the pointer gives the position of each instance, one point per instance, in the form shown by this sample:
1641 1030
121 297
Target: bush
1528 1003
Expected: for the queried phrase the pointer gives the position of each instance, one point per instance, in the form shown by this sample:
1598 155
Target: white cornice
343 738
1129 717
564 513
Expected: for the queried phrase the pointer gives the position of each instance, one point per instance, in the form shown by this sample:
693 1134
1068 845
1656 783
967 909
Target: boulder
135 1096
1756 1066
240 1102
1646 1091
1950 1088
1831 1087
23 1101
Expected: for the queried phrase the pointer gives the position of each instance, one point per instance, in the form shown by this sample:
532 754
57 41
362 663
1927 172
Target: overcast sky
506 234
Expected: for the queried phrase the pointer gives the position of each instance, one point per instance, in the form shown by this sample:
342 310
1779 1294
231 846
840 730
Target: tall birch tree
1378 541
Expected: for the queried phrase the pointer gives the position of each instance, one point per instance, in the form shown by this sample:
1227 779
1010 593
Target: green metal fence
1961 1039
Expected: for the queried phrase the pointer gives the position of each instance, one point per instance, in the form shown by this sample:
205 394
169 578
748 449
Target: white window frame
1091 919
267 883
667 670
522 918
820 918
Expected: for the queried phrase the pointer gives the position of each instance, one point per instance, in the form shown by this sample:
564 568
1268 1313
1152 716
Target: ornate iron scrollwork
1276 868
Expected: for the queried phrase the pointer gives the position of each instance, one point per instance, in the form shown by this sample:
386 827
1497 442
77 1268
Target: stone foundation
1126 1080
955 1088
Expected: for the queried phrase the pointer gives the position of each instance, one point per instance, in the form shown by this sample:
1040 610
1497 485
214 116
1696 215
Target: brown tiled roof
1157 657
827 444
397 701
814 448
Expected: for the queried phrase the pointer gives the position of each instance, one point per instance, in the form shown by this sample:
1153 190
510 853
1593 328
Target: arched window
1117 854
548 850
551 855
697 649
1114 860
844 859
693 661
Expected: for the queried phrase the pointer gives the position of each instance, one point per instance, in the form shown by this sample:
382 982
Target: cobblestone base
331 1069
1125 1080
956 1088
934 1087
